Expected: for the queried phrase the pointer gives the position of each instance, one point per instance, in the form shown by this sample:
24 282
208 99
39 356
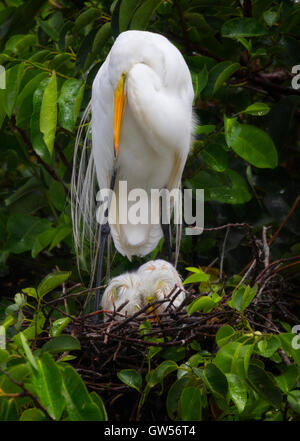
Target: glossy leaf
215 156
70 97
263 384
251 143
13 82
224 334
173 397
191 404
204 304
243 27
28 352
48 113
98 401
215 380
131 378
242 297
61 343
164 369
103 34
257 109
33 415
52 281
47 383
59 325
143 14
79 404
237 391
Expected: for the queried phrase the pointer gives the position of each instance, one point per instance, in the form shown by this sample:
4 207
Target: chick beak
118 111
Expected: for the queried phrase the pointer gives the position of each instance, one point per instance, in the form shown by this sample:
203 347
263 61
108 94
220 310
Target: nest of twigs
121 343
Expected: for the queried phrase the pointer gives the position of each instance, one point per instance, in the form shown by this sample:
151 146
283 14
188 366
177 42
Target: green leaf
224 334
174 394
237 391
270 17
52 281
200 80
228 187
69 101
225 75
49 29
215 156
127 9
131 378
3 356
251 143
234 358
47 382
191 404
215 380
143 14
8 410
19 43
204 303
57 195
85 18
243 27
199 276
294 400
36 326
13 80
48 114
98 400
220 73
61 233
37 138
33 415
79 404
242 297
28 352
268 345
103 34
288 380
164 369
205 130
42 240
263 383
257 109
61 343
59 325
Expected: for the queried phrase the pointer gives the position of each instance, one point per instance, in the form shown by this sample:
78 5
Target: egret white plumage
154 280
141 129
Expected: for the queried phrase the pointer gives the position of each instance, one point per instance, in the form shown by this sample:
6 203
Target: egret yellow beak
118 110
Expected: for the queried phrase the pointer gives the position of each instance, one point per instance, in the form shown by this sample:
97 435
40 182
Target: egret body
141 129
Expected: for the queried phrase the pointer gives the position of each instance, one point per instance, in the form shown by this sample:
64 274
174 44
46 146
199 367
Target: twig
275 235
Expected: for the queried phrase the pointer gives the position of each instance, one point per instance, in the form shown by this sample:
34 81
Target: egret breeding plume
140 130
154 280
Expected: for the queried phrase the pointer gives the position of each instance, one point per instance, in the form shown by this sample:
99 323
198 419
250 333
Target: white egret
154 280
141 129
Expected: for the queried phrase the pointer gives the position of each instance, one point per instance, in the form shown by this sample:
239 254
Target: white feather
155 136
154 280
